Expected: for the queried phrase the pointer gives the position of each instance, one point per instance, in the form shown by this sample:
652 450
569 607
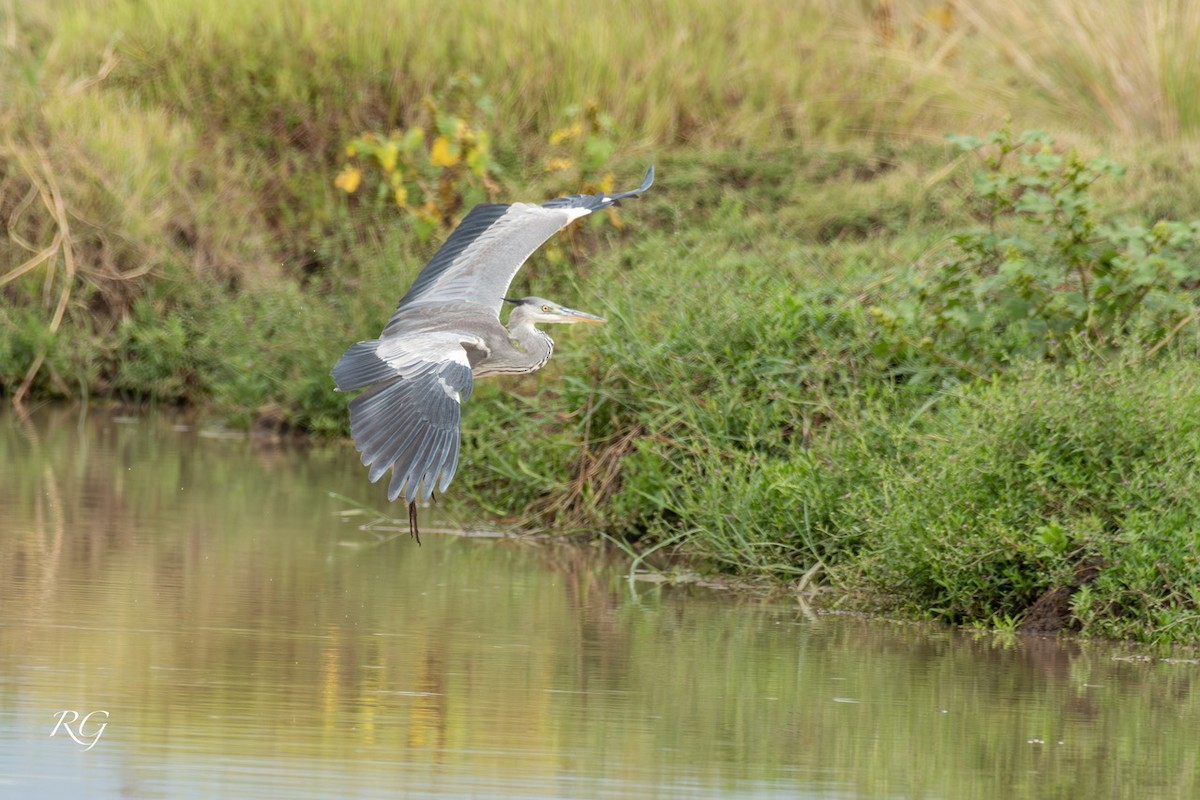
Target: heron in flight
446 332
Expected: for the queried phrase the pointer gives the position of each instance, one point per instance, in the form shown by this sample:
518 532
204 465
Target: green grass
170 231
1016 487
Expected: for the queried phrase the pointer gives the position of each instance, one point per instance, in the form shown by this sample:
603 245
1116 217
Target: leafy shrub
581 149
1044 276
1018 485
434 176
579 153
155 357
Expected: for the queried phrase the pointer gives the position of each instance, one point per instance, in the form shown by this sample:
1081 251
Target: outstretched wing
479 259
409 421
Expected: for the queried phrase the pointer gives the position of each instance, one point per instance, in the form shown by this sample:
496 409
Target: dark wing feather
410 424
595 202
477 221
360 366
477 262
408 420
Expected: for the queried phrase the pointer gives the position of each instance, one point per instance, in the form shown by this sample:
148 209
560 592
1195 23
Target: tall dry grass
677 70
1128 66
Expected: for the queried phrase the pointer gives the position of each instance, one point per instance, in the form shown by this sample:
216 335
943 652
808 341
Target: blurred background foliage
203 203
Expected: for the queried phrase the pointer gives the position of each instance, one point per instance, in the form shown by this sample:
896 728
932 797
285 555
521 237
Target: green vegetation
1030 484
950 377
1045 278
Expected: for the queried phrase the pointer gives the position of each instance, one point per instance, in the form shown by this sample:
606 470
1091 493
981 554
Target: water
247 639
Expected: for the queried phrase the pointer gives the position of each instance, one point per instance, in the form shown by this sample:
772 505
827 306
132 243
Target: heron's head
539 309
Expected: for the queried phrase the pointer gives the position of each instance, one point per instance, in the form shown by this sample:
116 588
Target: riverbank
954 376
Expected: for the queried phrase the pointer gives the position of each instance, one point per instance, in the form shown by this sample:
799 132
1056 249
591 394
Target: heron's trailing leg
412 522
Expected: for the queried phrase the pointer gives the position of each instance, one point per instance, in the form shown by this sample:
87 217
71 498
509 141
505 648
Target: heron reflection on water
446 332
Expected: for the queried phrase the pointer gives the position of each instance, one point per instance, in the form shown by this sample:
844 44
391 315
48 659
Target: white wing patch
450 391
573 214
417 353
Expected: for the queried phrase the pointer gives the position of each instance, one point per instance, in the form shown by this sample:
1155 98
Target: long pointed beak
571 315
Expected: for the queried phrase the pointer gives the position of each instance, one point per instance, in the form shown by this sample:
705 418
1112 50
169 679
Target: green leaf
964 142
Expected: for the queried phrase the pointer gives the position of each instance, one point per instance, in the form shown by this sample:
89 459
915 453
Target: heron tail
359 366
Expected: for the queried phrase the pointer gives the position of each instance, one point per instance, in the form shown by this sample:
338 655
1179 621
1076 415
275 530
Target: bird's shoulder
443 323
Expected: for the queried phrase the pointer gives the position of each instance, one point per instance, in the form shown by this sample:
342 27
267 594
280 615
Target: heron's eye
545 309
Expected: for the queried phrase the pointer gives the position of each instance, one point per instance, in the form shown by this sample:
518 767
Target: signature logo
86 731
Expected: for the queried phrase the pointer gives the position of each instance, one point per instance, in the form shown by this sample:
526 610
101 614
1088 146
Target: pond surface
237 634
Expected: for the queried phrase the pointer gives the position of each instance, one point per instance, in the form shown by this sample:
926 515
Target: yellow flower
440 154
943 17
563 134
429 212
558 164
387 156
401 197
348 179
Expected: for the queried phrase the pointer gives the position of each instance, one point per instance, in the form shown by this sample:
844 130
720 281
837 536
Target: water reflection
248 640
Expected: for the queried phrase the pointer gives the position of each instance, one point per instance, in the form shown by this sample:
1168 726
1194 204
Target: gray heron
446 332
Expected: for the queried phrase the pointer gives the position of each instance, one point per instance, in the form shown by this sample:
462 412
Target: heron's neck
534 345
